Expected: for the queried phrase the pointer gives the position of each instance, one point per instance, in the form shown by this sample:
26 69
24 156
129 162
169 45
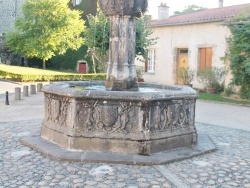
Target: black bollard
7 98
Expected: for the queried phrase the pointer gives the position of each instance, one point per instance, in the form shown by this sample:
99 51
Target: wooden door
205 58
182 63
82 68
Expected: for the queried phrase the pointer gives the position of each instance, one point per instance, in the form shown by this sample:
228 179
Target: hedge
66 77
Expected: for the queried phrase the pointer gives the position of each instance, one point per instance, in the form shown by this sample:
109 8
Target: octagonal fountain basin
83 116
85 123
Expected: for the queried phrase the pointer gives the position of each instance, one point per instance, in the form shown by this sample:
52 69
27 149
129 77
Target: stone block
32 89
39 87
26 91
17 93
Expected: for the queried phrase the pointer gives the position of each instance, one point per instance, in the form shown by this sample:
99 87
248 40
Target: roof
201 16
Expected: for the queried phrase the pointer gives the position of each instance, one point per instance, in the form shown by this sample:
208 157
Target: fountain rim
171 91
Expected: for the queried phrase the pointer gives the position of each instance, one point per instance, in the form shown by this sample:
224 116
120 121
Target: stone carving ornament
133 8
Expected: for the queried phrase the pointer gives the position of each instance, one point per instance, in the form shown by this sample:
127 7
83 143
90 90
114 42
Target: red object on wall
82 68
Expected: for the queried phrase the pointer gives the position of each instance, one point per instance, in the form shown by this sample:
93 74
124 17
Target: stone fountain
123 122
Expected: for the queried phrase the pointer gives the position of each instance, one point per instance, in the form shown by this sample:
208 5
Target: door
182 63
82 68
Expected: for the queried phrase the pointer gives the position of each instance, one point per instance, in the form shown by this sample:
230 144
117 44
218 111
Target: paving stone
166 185
101 185
211 182
78 180
204 174
143 184
42 183
192 181
247 185
91 183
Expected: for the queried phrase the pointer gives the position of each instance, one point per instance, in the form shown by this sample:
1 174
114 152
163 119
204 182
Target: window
205 59
150 65
76 2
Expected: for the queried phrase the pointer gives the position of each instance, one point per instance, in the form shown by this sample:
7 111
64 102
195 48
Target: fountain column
121 73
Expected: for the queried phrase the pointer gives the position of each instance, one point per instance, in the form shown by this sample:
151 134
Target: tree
189 9
97 37
239 51
47 28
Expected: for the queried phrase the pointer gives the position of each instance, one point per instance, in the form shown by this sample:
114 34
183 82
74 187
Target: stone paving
21 166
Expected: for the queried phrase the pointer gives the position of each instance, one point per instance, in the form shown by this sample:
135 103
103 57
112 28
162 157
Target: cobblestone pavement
21 166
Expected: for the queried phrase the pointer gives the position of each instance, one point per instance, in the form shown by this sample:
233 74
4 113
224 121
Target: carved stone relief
98 116
173 115
57 109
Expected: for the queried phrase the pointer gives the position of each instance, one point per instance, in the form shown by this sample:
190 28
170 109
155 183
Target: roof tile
201 16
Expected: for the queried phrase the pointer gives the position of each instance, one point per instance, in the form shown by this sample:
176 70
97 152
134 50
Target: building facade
9 11
195 40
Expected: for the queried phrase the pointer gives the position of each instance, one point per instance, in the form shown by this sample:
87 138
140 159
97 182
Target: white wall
192 37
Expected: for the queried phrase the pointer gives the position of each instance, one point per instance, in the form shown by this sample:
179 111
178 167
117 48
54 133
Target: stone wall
9 11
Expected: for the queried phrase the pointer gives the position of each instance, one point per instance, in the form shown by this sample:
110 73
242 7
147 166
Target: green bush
66 77
228 91
245 92
239 51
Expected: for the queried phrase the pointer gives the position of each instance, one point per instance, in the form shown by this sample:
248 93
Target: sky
179 5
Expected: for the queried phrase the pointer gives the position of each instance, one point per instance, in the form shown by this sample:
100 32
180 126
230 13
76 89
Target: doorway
182 62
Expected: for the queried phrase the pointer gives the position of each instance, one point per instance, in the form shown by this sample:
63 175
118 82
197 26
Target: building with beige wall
195 40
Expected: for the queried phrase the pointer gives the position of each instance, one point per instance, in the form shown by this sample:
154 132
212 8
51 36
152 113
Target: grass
31 71
219 98
27 74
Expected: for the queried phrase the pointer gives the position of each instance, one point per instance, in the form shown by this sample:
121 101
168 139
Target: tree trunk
44 64
93 59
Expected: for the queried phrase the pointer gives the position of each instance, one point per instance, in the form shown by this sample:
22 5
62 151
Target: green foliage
228 91
143 39
68 61
24 74
239 51
47 78
212 77
189 9
219 98
97 37
140 71
186 75
48 28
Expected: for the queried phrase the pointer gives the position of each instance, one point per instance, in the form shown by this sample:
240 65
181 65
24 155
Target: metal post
7 98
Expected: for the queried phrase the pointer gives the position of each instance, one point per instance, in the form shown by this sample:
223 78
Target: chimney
220 3
163 11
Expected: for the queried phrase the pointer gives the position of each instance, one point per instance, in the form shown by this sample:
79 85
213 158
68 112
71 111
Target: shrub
211 77
62 77
186 75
